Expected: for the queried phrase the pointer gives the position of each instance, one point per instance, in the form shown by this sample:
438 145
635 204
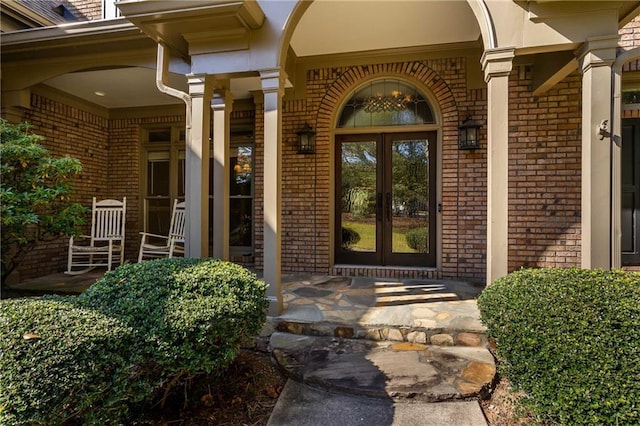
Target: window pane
358 202
181 174
386 103
160 135
158 216
410 196
242 171
158 178
241 222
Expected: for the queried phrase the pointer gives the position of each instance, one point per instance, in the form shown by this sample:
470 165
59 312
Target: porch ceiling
330 26
327 27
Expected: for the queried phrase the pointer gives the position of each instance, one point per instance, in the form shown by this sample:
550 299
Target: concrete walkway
367 351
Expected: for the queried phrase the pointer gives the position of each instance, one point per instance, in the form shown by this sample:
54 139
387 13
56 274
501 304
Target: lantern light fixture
306 140
469 134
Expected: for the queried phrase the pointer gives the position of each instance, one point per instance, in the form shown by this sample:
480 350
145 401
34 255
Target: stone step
413 310
470 335
384 369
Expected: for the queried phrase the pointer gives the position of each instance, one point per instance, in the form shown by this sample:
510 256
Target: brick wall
544 173
76 133
544 165
630 35
544 169
307 193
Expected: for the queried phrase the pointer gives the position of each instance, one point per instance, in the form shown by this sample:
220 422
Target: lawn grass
367 232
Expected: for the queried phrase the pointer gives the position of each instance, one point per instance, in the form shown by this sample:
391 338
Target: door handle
379 206
389 206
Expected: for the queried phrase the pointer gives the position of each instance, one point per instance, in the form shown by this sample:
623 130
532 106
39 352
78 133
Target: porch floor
378 308
361 307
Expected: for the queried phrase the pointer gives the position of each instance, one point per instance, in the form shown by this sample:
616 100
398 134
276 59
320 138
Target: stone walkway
411 351
418 311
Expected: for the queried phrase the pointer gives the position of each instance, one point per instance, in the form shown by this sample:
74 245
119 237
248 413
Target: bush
570 339
35 190
192 313
349 238
418 239
59 362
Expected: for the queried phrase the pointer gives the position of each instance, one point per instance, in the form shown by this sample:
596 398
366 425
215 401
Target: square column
273 89
497 65
222 106
197 167
596 58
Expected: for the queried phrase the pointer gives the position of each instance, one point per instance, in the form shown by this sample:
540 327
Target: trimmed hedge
104 356
570 338
418 239
349 238
192 314
60 362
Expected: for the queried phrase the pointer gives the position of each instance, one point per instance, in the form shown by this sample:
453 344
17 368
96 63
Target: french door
386 199
631 191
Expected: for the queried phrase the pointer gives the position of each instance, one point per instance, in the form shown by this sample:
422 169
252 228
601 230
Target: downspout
162 70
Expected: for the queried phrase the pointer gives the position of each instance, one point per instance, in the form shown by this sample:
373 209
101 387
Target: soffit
164 22
77 39
334 27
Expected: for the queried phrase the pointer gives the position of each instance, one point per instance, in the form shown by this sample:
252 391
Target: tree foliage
35 204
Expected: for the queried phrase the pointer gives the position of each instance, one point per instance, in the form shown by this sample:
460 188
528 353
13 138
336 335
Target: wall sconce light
469 134
307 140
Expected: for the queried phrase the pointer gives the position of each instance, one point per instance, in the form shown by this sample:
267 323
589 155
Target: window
386 103
110 10
163 176
164 181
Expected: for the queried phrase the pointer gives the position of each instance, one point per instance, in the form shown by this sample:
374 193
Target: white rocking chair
106 242
173 243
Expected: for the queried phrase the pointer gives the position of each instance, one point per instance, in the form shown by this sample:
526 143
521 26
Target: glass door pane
241 200
157 204
409 196
359 200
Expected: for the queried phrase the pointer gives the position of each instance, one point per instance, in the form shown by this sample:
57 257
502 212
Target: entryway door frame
384 253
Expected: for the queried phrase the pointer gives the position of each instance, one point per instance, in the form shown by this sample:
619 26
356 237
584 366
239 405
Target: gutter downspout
162 71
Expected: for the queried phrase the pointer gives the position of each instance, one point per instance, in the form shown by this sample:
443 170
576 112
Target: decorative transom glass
386 103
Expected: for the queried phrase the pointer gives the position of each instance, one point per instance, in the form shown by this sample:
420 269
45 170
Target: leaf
31 336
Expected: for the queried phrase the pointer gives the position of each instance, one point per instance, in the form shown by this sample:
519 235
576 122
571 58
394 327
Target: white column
197 168
273 89
222 105
497 65
596 57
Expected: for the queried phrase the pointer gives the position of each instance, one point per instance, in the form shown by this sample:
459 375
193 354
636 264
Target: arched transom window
387 102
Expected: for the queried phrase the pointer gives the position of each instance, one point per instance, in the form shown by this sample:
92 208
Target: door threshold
418 272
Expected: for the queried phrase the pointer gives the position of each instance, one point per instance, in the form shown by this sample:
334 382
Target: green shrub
418 239
35 188
570 338
59 362
349 237
192 313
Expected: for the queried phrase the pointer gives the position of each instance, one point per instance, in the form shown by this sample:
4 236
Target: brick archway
443 101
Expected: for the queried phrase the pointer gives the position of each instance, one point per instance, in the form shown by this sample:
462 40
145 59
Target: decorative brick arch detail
446 110
426 79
